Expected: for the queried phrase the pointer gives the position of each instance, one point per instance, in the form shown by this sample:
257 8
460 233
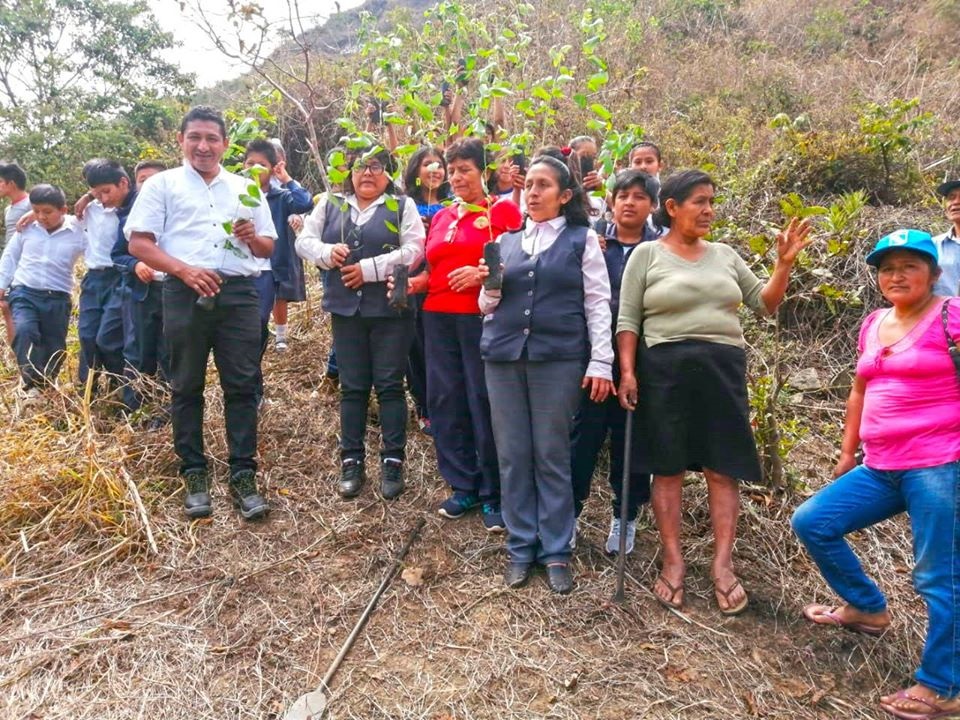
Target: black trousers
591 425
417 361
372 353
144 349
232 331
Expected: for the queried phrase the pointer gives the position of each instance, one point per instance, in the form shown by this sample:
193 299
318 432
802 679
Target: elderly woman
360 237
904 407
681 295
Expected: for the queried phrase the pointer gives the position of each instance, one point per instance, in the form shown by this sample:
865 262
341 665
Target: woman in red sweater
456 391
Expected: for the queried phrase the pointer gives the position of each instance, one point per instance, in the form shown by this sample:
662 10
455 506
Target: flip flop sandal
730 611
672 603
936 711
829 616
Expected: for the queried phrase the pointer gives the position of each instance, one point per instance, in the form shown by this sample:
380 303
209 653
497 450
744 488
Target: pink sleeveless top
911 408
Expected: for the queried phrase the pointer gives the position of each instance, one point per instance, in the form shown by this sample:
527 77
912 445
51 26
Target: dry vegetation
114 607
234 620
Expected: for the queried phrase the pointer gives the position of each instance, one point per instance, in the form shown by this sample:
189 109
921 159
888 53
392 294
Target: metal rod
618 595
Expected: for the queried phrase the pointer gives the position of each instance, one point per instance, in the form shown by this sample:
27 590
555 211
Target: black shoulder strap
951 344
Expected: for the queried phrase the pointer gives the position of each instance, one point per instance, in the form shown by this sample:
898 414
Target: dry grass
235 620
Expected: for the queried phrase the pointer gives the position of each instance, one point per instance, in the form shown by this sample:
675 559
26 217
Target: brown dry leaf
793 688
677 674
751 701
757 657
117 625
283 491
412 576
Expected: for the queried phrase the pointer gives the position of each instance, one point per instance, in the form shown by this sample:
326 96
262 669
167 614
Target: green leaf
581 100
597 81
228 227
601 111
253 190
540 93
249 201
390 226
391 202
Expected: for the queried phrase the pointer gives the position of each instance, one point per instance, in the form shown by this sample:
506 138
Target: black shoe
243 488
352 477
517 574
559 578
196 500
391 478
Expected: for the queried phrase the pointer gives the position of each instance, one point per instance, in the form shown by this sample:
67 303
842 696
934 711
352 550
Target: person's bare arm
260 245
851 428
627 352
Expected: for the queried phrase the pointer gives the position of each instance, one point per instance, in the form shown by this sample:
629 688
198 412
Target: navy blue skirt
694 411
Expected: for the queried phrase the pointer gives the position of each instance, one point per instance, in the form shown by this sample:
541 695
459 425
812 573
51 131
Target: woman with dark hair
904 406
425 180
546 336
360 237
632 198
456 392
681 295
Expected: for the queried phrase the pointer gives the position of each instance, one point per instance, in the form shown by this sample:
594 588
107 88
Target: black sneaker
243 488
391 478
352 477
196 499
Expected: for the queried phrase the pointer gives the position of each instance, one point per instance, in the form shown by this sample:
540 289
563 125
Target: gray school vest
541 306
365 241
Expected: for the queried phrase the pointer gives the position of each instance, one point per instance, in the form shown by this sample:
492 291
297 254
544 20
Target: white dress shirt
100 225
311 247
948 248
186 215
537 238
42 260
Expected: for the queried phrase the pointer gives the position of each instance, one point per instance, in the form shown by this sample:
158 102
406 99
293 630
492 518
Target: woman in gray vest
546 335
360 237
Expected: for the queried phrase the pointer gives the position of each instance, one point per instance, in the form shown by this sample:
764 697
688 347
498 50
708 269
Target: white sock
281 331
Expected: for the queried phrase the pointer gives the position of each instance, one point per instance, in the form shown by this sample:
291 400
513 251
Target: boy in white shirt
36 277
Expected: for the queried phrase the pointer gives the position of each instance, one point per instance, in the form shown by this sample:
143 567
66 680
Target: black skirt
693 411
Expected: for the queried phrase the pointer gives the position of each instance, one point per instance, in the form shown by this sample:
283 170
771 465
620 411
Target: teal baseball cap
916 240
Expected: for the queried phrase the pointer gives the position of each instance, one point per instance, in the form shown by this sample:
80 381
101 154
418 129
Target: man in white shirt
189 223
100 322
13 184
948 244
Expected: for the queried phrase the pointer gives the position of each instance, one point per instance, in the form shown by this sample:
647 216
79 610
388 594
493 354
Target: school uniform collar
556 224
69 225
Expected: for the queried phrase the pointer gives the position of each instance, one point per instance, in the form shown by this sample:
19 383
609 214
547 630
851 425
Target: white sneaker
573 538
613 539
280 346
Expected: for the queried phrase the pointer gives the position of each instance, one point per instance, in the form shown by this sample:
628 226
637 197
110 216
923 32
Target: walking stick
618 596
312 705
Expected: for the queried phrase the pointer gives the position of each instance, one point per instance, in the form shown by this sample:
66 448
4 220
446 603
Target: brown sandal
730 611
672 603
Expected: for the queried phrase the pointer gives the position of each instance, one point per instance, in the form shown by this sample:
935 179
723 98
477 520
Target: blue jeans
864 497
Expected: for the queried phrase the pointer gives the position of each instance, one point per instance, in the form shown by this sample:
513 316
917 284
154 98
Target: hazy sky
199 55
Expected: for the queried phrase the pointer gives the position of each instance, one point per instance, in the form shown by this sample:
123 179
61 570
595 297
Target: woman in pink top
904 408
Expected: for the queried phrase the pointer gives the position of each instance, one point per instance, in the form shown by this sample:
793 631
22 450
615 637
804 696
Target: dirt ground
235 620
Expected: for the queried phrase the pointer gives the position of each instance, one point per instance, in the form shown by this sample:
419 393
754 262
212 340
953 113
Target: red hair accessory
566 150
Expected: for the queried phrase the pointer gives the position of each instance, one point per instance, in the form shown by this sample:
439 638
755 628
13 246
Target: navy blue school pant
40 319
591 426
100 325
417 361
267 292
144 349
458 404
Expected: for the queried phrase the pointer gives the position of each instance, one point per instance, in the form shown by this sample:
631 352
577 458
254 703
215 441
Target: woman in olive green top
682 295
